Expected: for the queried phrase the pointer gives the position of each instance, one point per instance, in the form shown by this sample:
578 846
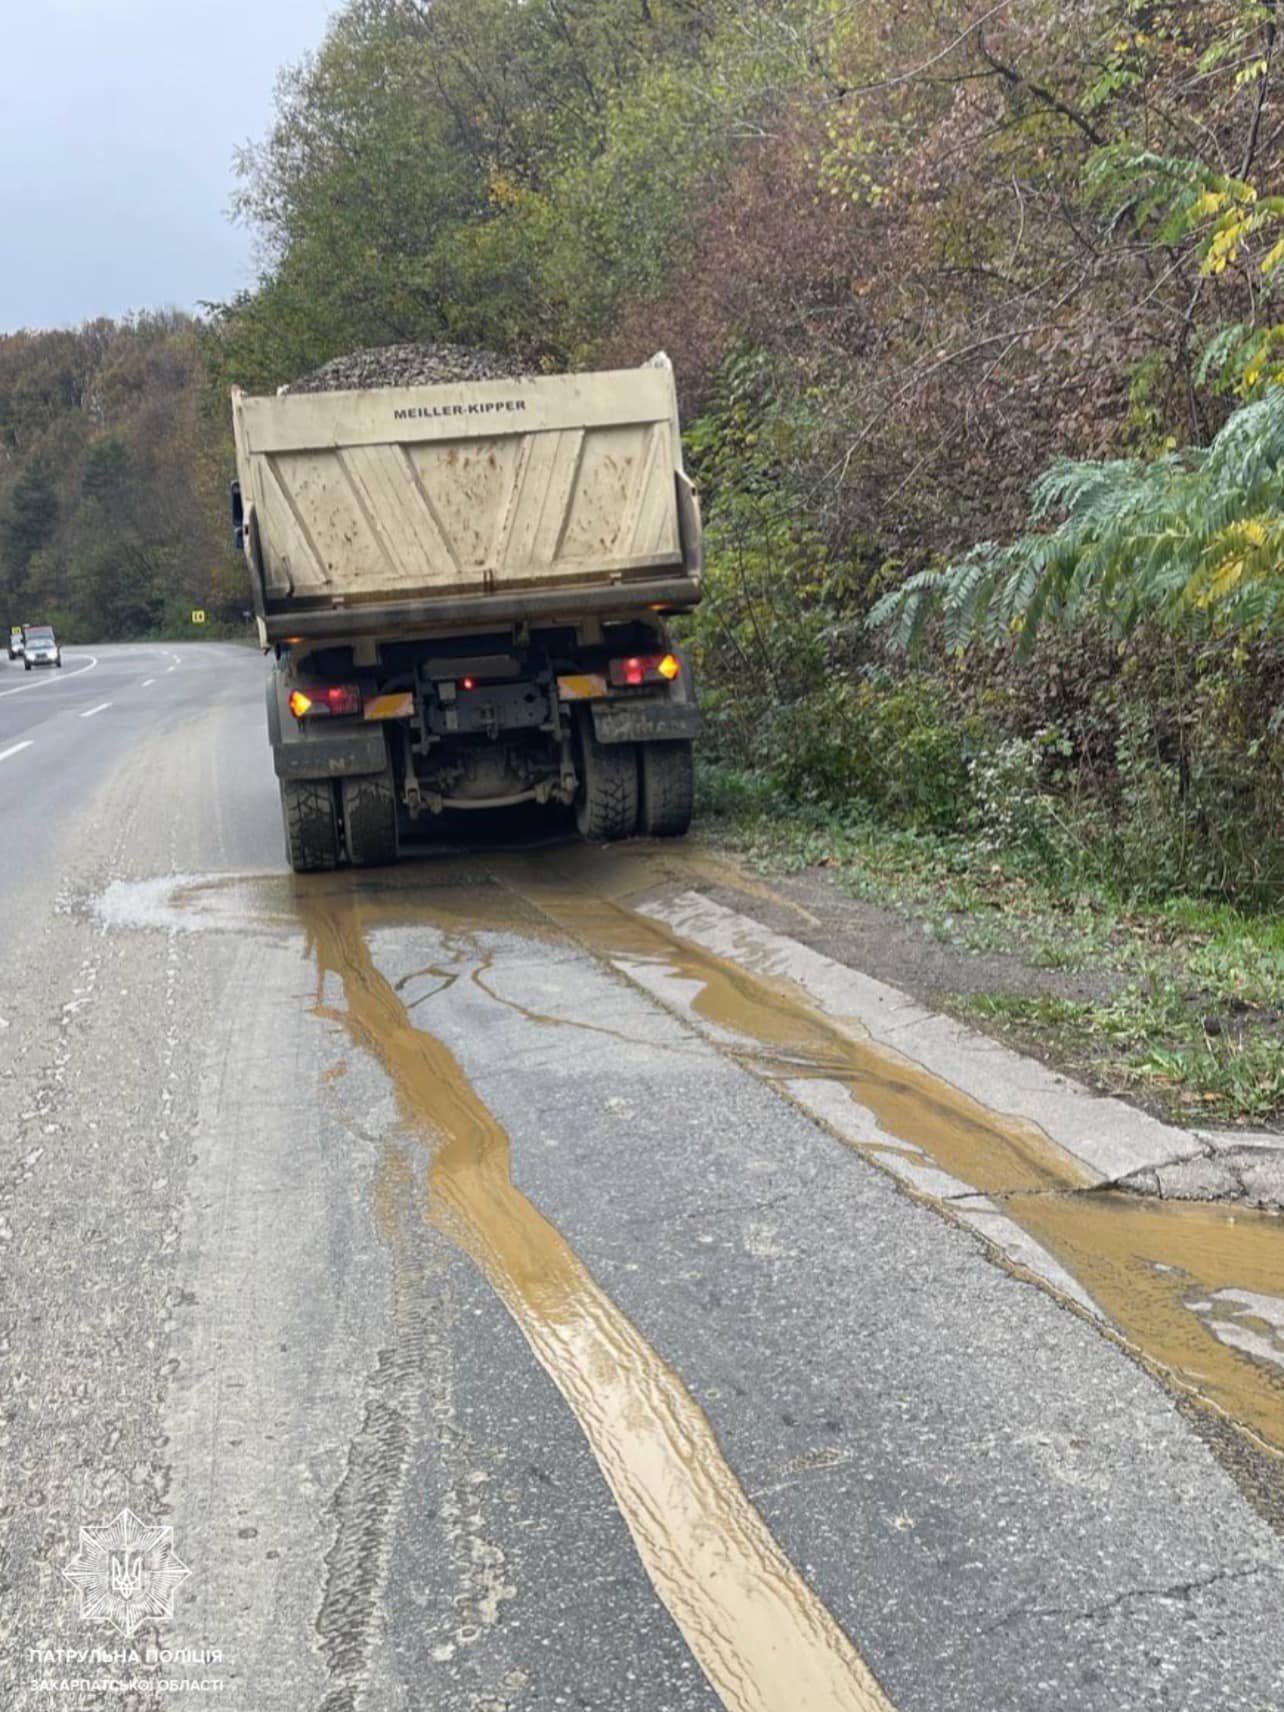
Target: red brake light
468 684
641 669
342 698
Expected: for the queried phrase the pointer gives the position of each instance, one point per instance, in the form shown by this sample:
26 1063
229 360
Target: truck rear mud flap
333 755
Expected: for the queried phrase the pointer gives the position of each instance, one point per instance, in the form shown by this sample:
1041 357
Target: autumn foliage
909 257
112 481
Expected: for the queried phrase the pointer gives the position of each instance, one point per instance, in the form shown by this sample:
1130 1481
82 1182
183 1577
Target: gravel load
406 365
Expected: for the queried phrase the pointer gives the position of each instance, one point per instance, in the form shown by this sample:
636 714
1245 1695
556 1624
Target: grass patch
961 895
1195 1069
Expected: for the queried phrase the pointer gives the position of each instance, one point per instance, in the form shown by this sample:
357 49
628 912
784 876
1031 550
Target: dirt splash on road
1157 1269
1195 1290
762 1637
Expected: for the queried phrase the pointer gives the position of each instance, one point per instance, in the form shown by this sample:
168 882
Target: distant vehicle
40 647
16 645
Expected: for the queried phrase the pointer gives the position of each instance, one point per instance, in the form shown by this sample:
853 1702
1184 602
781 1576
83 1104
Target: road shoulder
849 962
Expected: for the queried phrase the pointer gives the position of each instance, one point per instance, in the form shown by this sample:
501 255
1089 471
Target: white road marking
54 678
171 668
15 749
148 682
91 711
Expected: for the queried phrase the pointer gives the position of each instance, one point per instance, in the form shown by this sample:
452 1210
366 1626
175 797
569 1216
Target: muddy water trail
1197 1291
763 1639
1189 1287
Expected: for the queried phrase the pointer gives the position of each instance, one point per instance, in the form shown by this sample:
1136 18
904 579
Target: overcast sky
118 122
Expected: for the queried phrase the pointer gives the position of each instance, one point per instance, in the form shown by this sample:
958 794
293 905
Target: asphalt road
488 1335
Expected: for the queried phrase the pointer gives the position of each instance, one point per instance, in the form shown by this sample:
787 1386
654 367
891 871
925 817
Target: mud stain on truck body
762 1637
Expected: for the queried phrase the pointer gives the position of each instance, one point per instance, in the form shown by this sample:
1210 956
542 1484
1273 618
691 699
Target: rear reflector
645 669
582 686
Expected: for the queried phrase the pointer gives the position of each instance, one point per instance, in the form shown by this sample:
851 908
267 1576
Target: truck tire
667 775
606 804
369 806
311 825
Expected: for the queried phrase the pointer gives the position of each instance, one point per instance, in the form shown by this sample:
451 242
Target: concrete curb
1117 1144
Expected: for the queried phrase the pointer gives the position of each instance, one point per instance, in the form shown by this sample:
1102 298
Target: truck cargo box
377 512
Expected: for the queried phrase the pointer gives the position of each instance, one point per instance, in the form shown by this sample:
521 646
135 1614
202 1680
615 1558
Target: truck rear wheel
311 825
667 773
606 804
370 820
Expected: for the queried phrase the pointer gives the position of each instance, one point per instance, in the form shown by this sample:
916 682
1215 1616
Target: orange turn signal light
299 703
669 667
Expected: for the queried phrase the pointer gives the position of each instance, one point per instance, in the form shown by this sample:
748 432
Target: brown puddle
1150 1265
761 1636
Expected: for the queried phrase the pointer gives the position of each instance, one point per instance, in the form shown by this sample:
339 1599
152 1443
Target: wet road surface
470 1270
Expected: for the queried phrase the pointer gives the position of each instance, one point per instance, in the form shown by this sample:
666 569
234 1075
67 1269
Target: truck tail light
641 669
333 699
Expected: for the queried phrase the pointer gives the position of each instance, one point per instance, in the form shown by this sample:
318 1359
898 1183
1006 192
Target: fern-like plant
1230 227
1190 538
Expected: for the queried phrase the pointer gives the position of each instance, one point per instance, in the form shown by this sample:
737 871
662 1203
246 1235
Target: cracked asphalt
493 1329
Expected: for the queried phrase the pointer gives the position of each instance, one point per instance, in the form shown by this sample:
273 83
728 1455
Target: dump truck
467 590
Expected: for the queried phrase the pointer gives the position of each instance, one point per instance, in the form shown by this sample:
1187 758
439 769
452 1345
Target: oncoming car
16 645
40 647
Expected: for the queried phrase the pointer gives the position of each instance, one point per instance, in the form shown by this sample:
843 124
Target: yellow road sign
198 617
